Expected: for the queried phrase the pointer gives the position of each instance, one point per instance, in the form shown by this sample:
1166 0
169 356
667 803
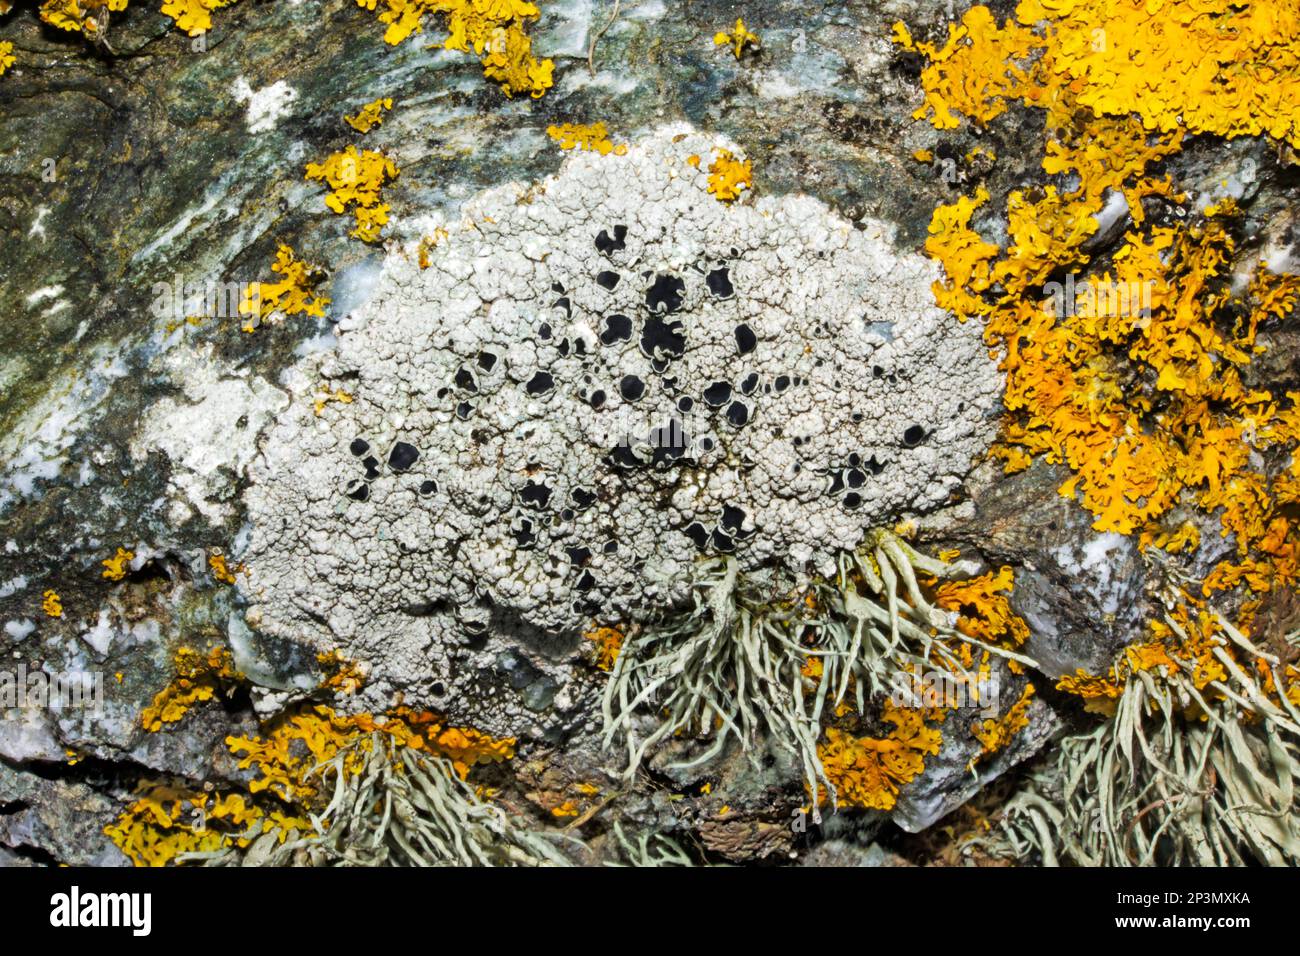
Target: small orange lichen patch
492 29
221 570
80 16
355 179
6 56
323 734
566 809
729 175
193 16
608 641
984 612
994 734
324 398
342 676
867 771
591 136
116 567
294 294
168 819
923 156
51 605
370 115
1190 643
198 678
739 39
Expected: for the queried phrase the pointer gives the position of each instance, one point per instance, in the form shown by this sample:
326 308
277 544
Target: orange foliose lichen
608 642
995 733
88 17
729 175
199 676
193 16
355 179
6 56
868 771
591 136
294 294
116 567
493 29
221 569
51 604
739 39
370 115
1130 373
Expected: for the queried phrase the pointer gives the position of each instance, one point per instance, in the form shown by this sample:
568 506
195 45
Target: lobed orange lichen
6 56
169 818
294 294
193 16
739 39
492 29
591 136
221 570
729 175
51 604
116 567
1133 376
868 771
355 179
199 677
608 642
370 115
995 734
88 17
983 608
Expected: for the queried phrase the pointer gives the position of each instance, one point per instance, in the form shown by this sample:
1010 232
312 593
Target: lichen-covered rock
596 380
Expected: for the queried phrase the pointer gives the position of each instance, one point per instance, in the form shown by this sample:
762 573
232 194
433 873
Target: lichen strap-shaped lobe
594 382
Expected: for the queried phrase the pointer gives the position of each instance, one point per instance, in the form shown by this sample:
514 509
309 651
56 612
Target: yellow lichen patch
355 179
729 175
6 56
370 115
286 754
1189 643
342 676
867 771
984 612
608 642
294 294
923 156
80 16
169 818
492 29
1128 373
193 16
51 604
199 677
221 570
739 39
116 567
324 398
994 734
591 136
